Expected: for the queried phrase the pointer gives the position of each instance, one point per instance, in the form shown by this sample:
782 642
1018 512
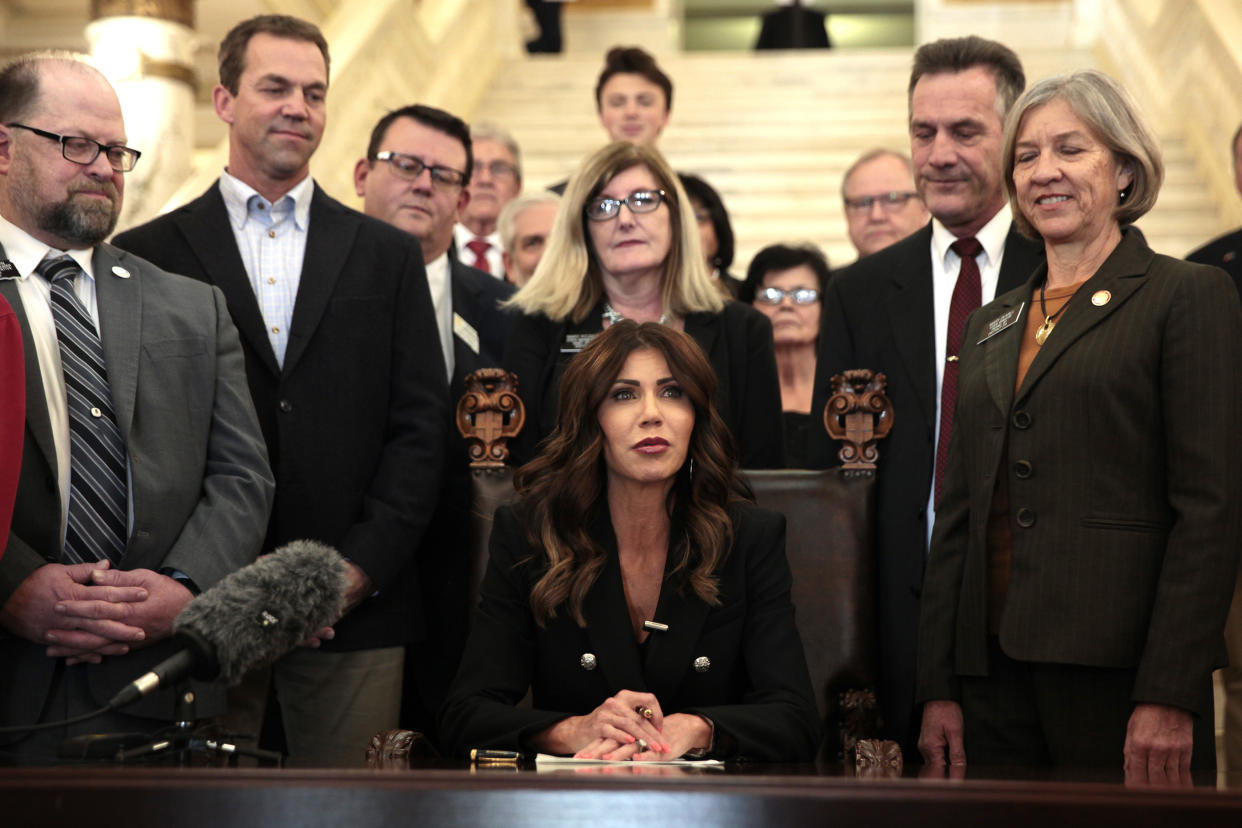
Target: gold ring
646 712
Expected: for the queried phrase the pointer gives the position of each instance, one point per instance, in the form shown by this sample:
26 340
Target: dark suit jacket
200 483
12 411
1224 252
737 342
445 559
878 314
756 690
1126 526
355 420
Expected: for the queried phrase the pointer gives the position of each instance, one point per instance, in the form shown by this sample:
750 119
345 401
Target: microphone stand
185 739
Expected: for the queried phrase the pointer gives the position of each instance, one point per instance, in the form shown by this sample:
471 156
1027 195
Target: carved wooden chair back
830 520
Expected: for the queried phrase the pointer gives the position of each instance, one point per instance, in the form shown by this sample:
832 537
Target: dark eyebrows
636 383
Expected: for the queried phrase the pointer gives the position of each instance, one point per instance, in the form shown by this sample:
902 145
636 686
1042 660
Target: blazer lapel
206 228
464 298
1120 276
1000 352
670 654
120 330
329 238
911 308
607 615
37 418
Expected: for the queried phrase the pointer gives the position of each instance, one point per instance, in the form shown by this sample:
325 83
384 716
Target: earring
691 468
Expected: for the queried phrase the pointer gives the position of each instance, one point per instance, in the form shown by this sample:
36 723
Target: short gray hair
486 131
508 215
871 155
1114 119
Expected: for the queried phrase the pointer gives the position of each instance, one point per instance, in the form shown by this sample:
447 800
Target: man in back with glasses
414 176
346 372
881 204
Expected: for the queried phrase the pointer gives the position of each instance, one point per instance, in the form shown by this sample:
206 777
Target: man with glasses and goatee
346 373
143 475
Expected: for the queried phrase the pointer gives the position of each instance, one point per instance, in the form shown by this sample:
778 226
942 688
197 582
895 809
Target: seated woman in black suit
625 245
635 589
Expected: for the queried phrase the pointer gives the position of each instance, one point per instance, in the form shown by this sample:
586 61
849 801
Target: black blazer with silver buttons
1125 479
740 664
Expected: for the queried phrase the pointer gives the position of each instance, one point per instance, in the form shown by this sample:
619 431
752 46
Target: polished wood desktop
452 793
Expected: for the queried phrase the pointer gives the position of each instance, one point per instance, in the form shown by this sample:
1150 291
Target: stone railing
1183 60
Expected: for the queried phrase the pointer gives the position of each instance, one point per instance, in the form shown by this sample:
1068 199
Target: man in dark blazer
889 312
1226 251
345 370
414 177
188 481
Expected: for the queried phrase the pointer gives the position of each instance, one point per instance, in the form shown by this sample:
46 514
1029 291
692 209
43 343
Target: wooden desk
755 796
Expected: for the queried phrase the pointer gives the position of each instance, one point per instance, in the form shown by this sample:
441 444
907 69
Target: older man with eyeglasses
495 180
881 204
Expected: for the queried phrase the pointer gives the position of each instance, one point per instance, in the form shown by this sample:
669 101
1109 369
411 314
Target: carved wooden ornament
858 414
489 414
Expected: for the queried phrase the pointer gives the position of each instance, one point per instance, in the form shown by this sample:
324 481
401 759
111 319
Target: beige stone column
146 49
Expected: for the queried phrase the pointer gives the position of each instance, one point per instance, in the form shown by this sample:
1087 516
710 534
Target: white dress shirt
439 281
24 253
272 241
463 235
945 266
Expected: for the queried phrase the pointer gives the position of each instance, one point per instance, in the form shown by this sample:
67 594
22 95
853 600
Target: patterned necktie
479 248
967 296
97 487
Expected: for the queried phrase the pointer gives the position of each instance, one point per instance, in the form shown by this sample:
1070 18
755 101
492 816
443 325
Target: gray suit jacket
1125 475
201 487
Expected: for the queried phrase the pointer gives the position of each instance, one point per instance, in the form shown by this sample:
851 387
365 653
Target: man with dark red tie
902 310
495 180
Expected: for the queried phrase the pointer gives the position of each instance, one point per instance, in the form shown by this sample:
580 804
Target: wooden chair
830 519
829 531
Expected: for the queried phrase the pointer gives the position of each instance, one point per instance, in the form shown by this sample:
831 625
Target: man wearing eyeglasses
894 311
414 176
143 475
881 204
495 180
346 373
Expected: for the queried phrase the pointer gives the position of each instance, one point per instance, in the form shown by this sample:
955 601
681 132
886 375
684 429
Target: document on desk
545 760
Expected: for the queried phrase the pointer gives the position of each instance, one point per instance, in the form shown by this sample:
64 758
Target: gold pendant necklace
1041 334
1044 330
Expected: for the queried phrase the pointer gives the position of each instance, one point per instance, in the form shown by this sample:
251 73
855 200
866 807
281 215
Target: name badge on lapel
465 332
1002 322
7 270
576 342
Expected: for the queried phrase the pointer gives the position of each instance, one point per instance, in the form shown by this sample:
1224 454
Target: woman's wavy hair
567 282
562 487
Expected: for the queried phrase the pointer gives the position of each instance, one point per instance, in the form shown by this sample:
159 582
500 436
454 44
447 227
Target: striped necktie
97 478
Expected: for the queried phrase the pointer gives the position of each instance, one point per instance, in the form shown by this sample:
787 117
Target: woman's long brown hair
563 485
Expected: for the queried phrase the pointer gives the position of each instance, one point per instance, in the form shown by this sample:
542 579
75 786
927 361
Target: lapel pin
1100 298
702 664
117 270
587 661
